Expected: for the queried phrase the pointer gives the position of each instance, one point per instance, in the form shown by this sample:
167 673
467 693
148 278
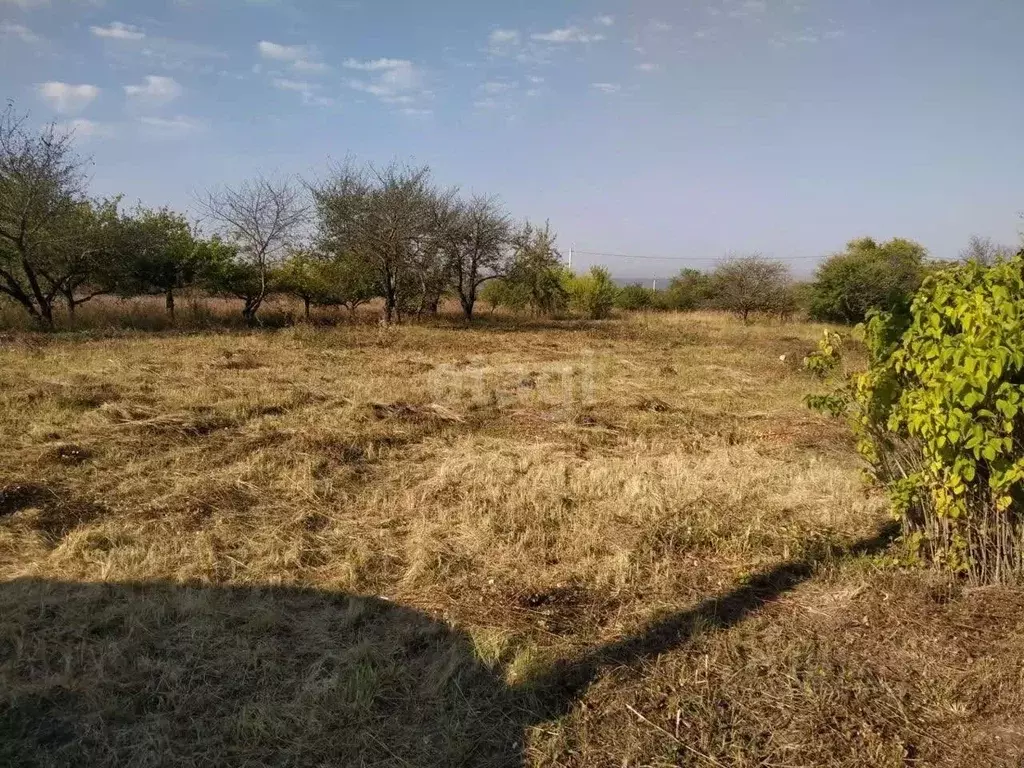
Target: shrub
940 415
635 298
865 277
502 292
592 294
747 284
689 290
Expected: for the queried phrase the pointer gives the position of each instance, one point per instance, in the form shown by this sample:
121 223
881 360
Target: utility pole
571 247
654 286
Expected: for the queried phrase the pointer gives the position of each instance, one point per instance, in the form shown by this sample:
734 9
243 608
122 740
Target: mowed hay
513 544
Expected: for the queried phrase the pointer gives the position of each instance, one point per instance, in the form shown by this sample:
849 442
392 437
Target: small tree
747 284
635 298
689 290
537 268
503 292
985 252
262 217
867 276
386 219
322 280
225 274
306 277
162 254
476 236
593 294
42 191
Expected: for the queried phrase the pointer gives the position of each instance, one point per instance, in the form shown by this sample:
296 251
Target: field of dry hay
614 544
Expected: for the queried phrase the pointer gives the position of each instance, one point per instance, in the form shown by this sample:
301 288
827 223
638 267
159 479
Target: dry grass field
617 544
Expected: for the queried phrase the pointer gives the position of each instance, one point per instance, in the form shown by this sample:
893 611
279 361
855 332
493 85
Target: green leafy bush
940 415
502 292
689 290
867 276
635 298
593 294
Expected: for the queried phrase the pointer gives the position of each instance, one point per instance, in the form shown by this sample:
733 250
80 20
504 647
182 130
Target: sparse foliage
262 217
538 269
985 252
748 284
384 218
42 194
477 241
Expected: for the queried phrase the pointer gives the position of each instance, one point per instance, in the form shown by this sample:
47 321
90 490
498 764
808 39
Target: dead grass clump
45 511
653 404
408 411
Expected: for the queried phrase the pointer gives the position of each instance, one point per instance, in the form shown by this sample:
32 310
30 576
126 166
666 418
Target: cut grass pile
563 544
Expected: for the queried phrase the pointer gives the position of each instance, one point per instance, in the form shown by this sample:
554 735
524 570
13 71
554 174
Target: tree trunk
305 301
252 306
45 315
169 302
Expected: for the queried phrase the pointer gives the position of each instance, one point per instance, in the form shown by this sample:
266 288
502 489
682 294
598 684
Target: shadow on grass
167 674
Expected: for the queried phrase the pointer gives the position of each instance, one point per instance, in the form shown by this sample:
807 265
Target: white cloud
605 21
307 90
567 35
119 31
156 91
647 67
414 112
308 65
278 52
302 58
171 128
66 98
394 81
606 87
661 26
535 79
18 31
377 65
87 129
26 4
299 86
130 48
501 40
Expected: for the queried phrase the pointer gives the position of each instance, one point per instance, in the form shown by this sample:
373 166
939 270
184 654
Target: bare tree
747 284
477 238
384 217
262 217
985 252
42 189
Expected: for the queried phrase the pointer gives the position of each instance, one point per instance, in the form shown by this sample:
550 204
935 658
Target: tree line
868 276
362 233
357 234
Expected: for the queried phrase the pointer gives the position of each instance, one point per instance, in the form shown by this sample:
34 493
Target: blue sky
685 128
